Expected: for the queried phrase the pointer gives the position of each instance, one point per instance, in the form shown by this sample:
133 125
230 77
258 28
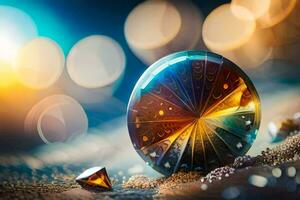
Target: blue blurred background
66 22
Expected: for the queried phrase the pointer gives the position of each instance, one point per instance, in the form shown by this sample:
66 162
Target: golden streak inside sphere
215 113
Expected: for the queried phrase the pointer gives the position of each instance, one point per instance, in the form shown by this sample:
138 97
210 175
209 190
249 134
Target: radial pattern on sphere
193 111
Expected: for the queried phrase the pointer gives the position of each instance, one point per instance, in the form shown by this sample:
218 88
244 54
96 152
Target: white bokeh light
95 67
16 28
96 61
56 118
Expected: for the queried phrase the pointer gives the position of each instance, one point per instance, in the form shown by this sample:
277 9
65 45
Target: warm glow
154 29
16 27
223 31
39 63
230 30
7 76
152 24
277 12
9 47
258 8
251 105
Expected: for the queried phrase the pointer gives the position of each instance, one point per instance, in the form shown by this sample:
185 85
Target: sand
283 157
274 174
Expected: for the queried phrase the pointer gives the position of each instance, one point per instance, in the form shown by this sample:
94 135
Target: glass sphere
193 111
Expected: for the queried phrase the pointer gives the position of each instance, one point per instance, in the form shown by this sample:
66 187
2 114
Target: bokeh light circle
223 31
193 110
154 29
258 8
277 12
16 28
96 61
39 63
230 30
56 118
152 24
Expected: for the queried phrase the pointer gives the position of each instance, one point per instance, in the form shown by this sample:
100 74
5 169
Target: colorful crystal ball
193 111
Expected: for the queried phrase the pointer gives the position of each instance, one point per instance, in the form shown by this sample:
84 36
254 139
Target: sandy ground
238 186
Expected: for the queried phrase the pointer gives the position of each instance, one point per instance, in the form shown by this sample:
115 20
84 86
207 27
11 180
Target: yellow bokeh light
39 63
236 38
277 12
223 31
158 23
258 8
7 76
154 29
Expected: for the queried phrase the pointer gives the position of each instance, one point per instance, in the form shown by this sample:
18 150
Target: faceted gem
95 177
193 111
